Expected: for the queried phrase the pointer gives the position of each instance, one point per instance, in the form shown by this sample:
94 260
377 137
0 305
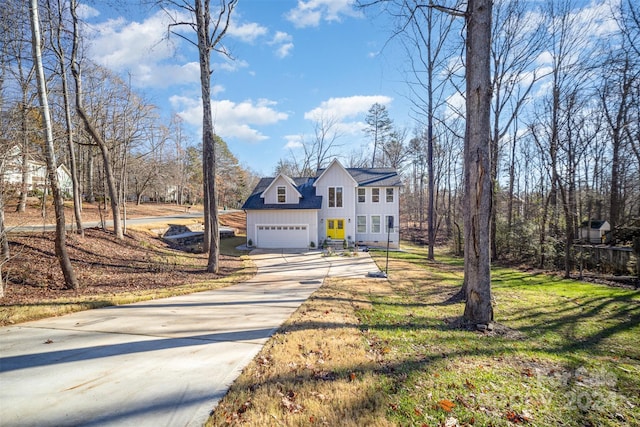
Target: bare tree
16 49
326 135
516 44
4 242
60 240
90 127
395 151
56 18
210 33
426 32
318 150
477 162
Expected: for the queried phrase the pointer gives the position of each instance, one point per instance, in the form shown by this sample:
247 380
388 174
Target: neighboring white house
36 176
352 204
593 231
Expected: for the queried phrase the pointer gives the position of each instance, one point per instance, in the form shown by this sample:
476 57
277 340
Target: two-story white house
352 204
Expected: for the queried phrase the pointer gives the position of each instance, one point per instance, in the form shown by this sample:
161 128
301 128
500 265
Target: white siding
285 217
271 196
337 176
381 209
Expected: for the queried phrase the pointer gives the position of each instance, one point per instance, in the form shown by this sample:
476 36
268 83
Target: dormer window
282 194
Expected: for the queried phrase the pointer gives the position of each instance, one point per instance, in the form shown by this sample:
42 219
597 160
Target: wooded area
111 144
565 125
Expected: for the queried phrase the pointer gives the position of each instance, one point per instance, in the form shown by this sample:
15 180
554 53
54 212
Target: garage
282 236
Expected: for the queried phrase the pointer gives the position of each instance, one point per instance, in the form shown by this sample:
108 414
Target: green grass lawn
387 353
566 352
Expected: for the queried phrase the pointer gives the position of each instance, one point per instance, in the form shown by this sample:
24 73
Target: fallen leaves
446 405
517 418
289 402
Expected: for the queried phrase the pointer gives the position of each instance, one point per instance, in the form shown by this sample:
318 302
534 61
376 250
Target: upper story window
335 197
362 195
389 195
375 195
282 194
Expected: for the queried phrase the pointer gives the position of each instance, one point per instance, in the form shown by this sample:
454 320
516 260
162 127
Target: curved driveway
165 362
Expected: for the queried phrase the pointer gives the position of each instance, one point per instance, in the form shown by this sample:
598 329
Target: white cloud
143 50
152 59
597 19
455 106
230 65
284 50
347 107
232 120
293 142
248 32
311 12
85 11
283 42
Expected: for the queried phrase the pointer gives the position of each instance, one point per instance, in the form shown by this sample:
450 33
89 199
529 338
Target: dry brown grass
318 369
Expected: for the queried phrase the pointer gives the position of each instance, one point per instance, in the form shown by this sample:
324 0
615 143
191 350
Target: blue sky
294 61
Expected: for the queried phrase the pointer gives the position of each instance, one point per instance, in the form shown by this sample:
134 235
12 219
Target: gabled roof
287 179
304 186
373 177
320 172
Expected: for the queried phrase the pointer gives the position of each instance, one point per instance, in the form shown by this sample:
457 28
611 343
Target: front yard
377 353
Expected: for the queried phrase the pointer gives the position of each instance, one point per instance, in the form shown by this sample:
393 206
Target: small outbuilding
594 230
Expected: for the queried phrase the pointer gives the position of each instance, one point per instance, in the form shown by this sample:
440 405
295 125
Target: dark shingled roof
365 177
595 223
304 186
375 177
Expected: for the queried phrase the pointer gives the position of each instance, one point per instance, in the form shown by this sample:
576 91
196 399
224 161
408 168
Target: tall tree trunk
89 178
477 161
512 179
4 243
60 240
205 46
95 135
59 50
24 160
431 183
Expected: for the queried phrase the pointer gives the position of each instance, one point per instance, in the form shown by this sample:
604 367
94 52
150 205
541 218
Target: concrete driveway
165 362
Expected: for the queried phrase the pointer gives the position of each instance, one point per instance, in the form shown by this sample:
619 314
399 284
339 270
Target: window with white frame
375 195
387 219
335 197
362 224
389 195
375 223
282 194
362 195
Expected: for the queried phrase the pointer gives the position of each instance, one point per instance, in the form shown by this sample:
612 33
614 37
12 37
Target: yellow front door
335 229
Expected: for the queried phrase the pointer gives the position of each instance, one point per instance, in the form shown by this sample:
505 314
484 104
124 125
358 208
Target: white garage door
283 236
